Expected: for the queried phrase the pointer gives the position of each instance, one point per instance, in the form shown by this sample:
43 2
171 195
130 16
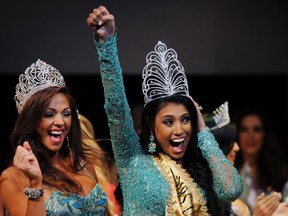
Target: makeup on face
255 129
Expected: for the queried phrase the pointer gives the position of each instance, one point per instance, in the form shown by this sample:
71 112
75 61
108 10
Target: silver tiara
36 78
163 74
218 118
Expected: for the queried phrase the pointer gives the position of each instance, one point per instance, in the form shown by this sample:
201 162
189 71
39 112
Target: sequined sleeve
227 182
125 142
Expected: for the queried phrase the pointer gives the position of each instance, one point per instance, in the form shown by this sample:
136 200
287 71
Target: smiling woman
56 124
52 164
176 166
173 129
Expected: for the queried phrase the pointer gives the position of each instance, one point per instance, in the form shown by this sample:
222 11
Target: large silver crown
163 74
218 118
36 78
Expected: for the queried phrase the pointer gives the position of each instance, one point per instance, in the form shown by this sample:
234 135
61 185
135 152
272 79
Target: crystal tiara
36 78
163 74
218 118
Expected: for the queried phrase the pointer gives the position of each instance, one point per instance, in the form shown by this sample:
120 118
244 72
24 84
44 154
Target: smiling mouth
55 136
177 142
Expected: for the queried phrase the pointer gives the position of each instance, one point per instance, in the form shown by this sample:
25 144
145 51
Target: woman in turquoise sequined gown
175 167
64 174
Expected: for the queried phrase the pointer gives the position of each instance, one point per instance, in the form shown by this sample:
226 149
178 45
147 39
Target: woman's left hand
201 122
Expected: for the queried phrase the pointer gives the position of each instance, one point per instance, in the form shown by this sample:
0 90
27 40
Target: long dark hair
270 160
25 129
193 160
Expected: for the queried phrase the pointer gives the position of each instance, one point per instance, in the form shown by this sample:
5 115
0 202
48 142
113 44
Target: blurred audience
260 161
225 133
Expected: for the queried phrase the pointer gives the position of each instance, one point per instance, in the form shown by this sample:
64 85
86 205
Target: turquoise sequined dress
95 203
145 190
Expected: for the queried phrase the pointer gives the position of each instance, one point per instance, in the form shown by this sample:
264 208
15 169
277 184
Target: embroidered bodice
144 187
74 204
95 203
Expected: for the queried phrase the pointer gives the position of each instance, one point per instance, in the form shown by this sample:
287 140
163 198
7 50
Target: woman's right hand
102 22
266 205
25 160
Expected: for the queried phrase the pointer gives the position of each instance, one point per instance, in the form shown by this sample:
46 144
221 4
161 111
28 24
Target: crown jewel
36 78
163 74
218 118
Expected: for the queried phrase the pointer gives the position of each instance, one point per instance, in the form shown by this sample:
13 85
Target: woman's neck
251 160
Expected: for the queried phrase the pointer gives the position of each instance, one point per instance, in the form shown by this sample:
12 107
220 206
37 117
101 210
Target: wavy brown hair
79 152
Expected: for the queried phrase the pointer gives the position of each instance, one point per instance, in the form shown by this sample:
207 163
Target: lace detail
227 182
145 190
172 193
123 135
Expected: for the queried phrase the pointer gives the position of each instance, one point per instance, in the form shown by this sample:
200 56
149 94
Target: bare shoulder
14 177
12 172
12 184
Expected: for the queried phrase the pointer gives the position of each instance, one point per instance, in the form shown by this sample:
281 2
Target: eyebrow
53 109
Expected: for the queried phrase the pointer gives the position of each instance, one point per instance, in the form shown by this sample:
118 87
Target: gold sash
185 197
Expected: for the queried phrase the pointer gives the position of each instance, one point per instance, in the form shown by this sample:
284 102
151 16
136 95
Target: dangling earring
68 144
151 145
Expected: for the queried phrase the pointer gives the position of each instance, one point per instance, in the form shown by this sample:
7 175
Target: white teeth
178 140
56 132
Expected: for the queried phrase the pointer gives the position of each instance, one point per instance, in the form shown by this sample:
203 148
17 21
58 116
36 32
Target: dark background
211 37
268 92
231 50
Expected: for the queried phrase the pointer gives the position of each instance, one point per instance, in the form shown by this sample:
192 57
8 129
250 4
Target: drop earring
151 145
68 144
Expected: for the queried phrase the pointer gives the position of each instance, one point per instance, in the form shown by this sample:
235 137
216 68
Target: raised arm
125 141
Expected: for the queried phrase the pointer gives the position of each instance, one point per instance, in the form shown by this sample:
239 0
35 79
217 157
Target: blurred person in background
260 161
225 133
